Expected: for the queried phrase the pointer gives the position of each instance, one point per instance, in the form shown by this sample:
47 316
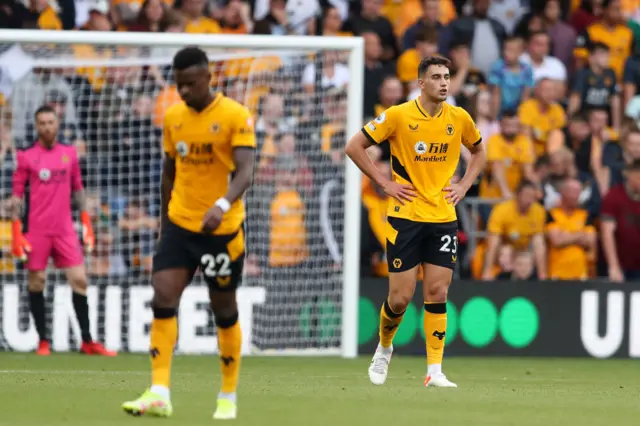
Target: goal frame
352 200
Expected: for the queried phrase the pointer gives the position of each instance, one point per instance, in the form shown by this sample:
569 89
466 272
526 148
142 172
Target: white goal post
346 252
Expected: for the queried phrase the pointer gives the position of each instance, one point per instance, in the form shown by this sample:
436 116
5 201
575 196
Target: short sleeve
582 45
494 148
381 128
470 134
524 114
243 131
168 144
579 83
495 74
529 79
610 205
496 222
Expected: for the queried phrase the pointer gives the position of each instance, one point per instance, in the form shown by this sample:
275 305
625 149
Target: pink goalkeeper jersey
53 175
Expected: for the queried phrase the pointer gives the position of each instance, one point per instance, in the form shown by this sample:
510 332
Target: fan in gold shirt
209 145
425 136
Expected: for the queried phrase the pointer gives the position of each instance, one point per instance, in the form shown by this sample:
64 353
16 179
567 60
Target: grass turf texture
71 389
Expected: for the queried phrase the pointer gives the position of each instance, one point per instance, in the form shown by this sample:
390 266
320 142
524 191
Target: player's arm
80 200
472 139
19 244
375 132
243 143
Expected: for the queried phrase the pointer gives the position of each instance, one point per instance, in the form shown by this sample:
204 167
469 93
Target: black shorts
220 257
410 243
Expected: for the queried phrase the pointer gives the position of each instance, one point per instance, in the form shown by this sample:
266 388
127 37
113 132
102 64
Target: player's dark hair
425 63
44 109
190 56
598 45
524 184
510 113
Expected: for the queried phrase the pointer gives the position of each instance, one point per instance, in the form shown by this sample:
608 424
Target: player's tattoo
166 186
80 199
243 158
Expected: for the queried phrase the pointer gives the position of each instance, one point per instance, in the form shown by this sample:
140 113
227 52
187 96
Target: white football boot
379 366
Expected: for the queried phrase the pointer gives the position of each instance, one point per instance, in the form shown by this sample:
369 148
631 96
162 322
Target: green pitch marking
72 390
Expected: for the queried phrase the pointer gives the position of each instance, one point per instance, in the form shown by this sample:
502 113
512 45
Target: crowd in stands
552 86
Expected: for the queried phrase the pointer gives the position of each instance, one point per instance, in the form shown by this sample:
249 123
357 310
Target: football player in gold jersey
425 136
209 145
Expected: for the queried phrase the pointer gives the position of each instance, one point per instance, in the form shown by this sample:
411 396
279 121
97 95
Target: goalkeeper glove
20 247
88 237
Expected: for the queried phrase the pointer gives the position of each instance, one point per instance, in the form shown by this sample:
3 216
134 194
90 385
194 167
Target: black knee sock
81 307
36 305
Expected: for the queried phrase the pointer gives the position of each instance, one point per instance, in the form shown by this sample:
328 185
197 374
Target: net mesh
111 101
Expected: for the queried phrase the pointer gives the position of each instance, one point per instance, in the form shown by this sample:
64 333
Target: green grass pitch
75 390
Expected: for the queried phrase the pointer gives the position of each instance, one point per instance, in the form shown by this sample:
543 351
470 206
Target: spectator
518 222
287 230
571 235
334 74
7 262
504 267
589 12
529 24
7 150
426 42
269 124
466 81
631 77
196 21
508 12
13 15
445 12
629 155
483 34
562 34
509 159
374 219
375 71
561 167
332 23
611 31
543 65
104 261
152 17
523 266
138 230
480 109
390 94
42 15
620 227
511 80
236 18
98 17
596 87
429 19
275 21
370 20
29 94
541 114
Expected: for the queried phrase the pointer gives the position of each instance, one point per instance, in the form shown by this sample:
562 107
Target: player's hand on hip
212 219
88 237
402 193
455 193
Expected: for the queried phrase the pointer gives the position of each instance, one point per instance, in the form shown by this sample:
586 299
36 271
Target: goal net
111 96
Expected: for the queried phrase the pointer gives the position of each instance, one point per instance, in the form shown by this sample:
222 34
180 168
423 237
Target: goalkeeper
209 145
53 174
